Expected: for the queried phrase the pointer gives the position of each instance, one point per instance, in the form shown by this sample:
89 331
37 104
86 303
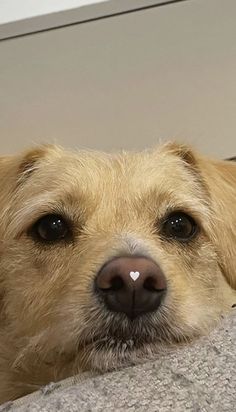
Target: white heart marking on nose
134 275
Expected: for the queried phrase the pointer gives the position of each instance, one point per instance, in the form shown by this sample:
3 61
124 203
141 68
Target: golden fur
52 325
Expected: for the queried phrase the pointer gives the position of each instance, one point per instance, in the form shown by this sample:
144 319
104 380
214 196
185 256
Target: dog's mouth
109 341
121 342
119 332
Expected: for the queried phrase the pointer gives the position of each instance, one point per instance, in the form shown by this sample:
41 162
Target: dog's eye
51 228
180 227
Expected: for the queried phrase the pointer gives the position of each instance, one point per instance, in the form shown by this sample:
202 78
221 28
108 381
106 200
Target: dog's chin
123 342
118 330
108 353
128 344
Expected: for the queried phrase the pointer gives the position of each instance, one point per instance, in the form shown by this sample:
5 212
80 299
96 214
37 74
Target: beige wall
125 82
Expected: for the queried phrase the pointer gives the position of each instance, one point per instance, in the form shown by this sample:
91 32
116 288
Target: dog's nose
131 285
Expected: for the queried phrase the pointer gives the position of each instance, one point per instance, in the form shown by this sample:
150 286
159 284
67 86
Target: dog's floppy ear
219 180
30 160
19 167
220 177
16 169
183 151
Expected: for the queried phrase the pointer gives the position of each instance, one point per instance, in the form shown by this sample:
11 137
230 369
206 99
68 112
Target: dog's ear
183 151
16 169
30 160
219 180
19 167
220 177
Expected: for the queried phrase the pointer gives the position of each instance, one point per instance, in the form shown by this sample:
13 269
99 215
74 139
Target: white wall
13 10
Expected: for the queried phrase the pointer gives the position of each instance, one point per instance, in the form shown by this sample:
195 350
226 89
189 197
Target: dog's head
104 257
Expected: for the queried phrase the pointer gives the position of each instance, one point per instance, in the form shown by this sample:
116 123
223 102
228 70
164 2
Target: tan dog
103 258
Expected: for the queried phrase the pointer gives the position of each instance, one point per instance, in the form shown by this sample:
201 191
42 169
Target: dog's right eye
51 228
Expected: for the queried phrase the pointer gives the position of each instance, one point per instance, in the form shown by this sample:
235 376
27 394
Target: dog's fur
52 323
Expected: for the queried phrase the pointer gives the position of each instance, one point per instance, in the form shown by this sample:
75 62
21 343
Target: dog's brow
31 210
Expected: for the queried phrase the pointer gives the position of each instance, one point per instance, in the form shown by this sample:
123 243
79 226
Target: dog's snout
131 285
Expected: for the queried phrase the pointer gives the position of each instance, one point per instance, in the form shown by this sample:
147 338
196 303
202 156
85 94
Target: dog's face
66 217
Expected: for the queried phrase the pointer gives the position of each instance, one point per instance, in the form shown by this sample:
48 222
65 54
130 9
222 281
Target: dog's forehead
126 186
95 177
132 171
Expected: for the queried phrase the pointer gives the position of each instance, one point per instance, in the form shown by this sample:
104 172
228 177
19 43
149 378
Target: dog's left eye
51 228
180 226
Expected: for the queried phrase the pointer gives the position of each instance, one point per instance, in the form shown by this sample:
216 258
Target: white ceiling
13 10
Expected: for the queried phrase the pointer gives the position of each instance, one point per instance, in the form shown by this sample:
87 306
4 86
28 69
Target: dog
107 258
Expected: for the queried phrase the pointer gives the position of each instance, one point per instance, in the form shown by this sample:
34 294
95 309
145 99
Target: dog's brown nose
131 285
